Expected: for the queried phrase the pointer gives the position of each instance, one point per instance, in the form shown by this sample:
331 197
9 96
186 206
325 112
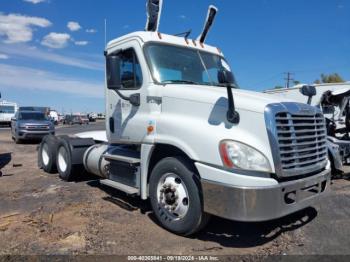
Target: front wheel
176 196
17 140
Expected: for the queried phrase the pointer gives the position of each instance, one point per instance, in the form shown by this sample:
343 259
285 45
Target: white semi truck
180 133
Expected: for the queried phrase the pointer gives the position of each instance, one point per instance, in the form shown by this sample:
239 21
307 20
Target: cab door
127 121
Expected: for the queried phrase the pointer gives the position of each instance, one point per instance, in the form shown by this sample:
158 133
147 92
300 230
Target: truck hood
244 99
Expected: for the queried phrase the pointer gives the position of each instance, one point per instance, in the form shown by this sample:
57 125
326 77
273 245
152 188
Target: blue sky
45 60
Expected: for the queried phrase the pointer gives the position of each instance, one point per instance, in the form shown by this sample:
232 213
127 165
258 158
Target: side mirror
225 77
113 72
308 91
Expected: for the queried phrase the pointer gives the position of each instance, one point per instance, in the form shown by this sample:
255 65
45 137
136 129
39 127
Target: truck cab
181 133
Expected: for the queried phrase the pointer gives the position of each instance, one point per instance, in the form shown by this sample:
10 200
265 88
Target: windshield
34 108
32 116
7 109
174 64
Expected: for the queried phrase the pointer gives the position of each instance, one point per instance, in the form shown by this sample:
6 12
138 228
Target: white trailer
7 112
295 94
181 133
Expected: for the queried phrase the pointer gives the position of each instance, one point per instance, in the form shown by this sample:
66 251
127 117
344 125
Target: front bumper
261 203
25 134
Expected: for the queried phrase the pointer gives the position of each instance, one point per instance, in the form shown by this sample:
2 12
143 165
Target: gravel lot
40 214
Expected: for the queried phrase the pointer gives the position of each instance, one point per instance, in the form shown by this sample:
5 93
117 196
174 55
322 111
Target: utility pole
288 78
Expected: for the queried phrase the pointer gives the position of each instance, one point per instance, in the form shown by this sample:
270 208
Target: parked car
30 125
61 118
92 117
75 119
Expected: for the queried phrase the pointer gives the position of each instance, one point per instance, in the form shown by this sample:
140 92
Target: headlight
22 126
237 155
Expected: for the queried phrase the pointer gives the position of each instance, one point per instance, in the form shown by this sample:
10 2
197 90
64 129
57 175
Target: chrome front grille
38 127
302 140
298 136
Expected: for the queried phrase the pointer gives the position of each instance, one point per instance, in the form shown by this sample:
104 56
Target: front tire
176 196
18 140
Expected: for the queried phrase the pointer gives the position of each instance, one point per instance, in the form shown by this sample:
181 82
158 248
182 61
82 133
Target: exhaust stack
154 10
208 23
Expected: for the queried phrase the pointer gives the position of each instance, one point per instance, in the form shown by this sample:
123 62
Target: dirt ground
40 214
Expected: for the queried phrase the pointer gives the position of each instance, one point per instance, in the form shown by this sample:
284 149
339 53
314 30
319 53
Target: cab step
122 158
122 187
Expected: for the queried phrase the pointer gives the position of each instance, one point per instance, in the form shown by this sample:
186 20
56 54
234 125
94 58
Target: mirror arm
232 115
309 100
134 99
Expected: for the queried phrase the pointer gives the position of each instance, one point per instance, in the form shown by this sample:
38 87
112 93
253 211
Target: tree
331 78
278 87
296 82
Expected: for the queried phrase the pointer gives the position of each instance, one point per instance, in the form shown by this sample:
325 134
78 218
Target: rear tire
66 170
176 196
47 154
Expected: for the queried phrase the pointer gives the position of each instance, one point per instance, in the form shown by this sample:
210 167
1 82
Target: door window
130 70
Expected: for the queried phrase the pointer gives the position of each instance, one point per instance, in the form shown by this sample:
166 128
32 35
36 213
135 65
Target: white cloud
35 1
56 40
91 31
32 79
16 28
81 43
182 17
73 26
3 56
24 51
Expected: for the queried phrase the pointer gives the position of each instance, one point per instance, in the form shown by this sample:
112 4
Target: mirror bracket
134 99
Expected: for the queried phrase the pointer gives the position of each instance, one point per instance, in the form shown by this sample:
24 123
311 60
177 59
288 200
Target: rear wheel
48 153
64 165
176 196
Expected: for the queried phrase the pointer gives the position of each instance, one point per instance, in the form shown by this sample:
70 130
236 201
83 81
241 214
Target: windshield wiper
179 82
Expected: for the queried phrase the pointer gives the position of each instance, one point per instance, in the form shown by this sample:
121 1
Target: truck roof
145 36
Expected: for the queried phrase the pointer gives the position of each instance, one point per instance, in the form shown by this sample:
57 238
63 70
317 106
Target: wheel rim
173 196
45 154
62 159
